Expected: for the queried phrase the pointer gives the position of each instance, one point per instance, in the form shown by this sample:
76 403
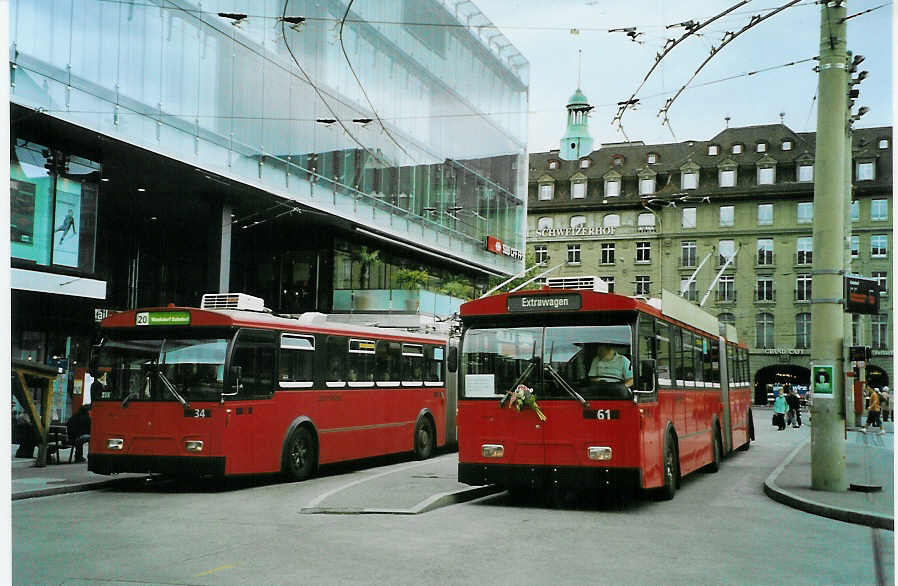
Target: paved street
720 528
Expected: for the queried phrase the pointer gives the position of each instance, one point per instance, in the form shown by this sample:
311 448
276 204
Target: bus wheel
667 492
425 437
300 457
716 451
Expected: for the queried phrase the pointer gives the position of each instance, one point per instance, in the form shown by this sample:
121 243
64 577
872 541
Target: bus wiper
564 385
523 376
128 397
171 388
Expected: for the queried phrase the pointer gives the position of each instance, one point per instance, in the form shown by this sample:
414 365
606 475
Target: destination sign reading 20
162 318
534 303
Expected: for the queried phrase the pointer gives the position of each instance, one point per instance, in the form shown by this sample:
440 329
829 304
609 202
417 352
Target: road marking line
213 570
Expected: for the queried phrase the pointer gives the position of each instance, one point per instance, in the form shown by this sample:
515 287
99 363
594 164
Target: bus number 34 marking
601 414
198 413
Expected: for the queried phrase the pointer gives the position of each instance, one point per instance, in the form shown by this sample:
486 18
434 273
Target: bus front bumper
542 477
171 465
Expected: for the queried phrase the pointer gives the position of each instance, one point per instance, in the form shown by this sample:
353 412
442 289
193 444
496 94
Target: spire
576 142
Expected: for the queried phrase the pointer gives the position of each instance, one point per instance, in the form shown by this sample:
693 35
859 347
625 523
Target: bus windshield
148 370
594 361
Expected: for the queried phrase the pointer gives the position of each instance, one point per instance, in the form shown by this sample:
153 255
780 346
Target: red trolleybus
688 405
232 389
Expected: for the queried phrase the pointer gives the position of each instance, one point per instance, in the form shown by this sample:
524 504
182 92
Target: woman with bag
779 412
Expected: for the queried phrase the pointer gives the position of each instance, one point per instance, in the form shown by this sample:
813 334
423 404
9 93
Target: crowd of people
787 409
877 403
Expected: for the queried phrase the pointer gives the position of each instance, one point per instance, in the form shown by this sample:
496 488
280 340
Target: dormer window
585 163
805 172
578 186
646 186
553 164
651 158
689 180
883 143
726 176
713 150
612 187
546 191
787 145
761 147
737 149
864 171
617 161
766 175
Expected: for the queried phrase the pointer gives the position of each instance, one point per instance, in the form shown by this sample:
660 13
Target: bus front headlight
115 443
599 452
492 450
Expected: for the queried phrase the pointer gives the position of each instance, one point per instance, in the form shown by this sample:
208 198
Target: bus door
248 408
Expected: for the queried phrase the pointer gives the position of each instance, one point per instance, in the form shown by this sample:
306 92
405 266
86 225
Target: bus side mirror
452 361
647 376
236 372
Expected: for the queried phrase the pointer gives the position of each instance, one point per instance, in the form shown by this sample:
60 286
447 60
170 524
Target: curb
790 499
83 487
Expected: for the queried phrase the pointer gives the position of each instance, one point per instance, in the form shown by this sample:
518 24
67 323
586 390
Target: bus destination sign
542 302
162 318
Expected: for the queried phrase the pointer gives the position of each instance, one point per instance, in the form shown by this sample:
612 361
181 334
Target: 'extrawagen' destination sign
559 302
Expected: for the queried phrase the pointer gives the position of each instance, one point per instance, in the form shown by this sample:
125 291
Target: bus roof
550 301
311 322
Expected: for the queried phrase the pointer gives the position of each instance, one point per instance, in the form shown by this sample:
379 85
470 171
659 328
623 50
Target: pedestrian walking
873 411
885 404
794 403
779 411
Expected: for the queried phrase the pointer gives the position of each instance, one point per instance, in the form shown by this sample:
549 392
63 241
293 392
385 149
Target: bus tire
671 470
300 456
716 451
425 438
750 432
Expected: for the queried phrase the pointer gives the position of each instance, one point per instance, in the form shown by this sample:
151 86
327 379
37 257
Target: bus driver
609 365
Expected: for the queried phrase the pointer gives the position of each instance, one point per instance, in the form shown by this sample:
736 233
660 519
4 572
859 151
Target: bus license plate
198 413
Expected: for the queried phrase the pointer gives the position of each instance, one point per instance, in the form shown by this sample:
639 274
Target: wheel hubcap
299 454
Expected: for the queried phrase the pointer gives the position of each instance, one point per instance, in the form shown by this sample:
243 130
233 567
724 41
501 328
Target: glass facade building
167 148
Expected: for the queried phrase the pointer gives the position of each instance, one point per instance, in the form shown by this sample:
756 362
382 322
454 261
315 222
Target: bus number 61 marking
603 414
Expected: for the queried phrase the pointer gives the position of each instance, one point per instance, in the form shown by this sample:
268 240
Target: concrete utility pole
828 408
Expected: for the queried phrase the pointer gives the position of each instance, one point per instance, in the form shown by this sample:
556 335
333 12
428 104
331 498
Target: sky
613 65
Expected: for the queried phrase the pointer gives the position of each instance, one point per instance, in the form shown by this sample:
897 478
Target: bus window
254 353
296 361
335 375
731 363
683 362
388 359
412 365
433 366
594 360
698 356
746 375
714 374
494 360
647 348
361 363
662 344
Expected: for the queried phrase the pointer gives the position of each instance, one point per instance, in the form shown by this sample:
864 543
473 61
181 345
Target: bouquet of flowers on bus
522 396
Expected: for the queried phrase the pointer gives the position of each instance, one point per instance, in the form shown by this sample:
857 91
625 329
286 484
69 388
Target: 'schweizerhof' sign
496 246
576 231
551 302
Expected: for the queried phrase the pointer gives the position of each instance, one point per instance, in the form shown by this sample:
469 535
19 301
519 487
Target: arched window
611 221
645 222
545 223
577 221
764 327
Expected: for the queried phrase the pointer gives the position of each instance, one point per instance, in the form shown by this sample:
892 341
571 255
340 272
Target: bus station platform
412 487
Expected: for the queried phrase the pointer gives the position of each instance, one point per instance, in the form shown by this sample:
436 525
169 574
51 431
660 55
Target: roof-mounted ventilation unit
587 283
232 301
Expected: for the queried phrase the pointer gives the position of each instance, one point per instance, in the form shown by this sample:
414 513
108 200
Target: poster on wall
67 220
21 211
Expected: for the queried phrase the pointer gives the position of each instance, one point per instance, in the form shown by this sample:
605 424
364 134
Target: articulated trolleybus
563 388
231 388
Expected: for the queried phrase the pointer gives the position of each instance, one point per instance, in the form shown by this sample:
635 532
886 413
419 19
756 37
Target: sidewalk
869 467
28 481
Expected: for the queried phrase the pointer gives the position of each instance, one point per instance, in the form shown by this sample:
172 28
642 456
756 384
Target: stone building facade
728 222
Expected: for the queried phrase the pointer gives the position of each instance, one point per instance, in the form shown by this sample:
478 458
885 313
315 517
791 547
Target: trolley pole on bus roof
827 319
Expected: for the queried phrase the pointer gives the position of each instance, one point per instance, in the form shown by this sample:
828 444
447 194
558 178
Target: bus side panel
654 421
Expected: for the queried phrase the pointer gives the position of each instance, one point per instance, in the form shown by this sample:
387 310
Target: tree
529 262
365 258
458 288
411 278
